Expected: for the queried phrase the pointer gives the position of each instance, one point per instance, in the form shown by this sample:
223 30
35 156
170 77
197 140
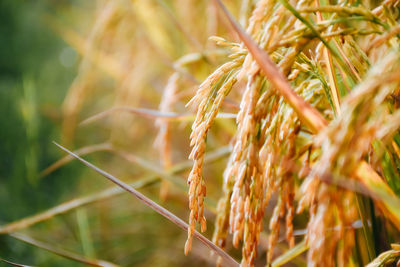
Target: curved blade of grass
290 254
159 209
309 116
61 252
103 195
151 114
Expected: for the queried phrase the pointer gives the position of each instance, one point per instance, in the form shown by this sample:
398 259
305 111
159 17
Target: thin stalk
103 195
82 151
290 254
61 252
159 209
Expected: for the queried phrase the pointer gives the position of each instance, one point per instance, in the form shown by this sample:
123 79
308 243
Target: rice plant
287 110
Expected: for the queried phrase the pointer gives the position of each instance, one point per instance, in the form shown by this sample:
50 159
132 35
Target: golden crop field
200 133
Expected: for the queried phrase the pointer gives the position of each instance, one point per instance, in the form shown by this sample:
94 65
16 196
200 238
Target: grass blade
61 252
159 209
85 233
290 254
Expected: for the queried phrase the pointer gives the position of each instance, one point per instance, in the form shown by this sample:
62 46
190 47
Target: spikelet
259 15
268 146
208 103
243 214
163 139
343 144
251 176
274 224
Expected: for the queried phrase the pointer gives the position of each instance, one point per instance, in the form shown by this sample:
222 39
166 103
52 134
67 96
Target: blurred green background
34 77
37 70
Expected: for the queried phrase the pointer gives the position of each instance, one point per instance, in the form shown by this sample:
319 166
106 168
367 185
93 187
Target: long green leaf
290 254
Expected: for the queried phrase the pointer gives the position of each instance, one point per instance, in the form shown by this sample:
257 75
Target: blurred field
313 184
62 62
